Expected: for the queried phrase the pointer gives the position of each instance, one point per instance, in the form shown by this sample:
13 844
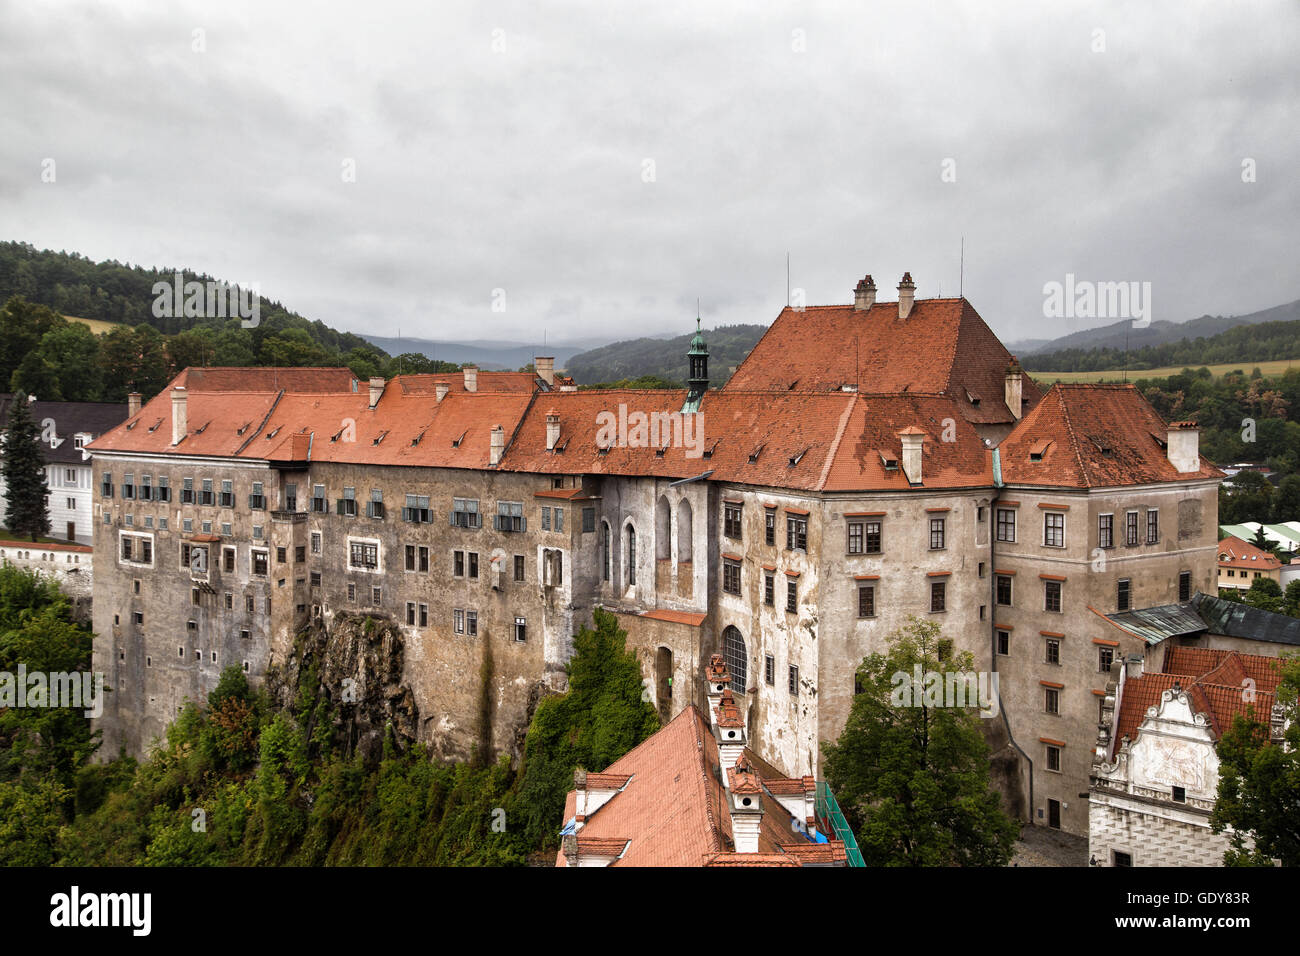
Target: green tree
912 777
1259 784
24 474
73 351
1265 594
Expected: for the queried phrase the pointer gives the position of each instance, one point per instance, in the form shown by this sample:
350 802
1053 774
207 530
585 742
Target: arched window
733 652
685 531
631 555
663 539
606 555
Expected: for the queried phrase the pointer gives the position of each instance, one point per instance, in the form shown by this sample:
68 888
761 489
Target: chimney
1012 393
864 296
440 390
498 445
180 416
545 365
717 678
579 796
133 404
906 295
569 844
746 790
731 731
552 429
376 390
1133 667
913 439
471 378
1183 446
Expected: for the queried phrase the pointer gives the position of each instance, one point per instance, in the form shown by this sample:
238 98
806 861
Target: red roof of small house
1236 553
1091 436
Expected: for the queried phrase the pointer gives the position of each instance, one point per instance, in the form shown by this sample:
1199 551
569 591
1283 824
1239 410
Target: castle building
866 463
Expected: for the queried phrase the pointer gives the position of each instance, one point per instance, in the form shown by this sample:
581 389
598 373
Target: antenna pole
787 279
961 281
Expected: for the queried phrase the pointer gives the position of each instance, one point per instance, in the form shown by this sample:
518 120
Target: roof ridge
835 443
715 833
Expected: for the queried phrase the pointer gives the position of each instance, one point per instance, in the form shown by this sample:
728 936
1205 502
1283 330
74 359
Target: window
1052 651
260 561
631 555
1053 758
106 485
1131 529
1184 585
873 537
521 630
731 576
187 491
519 567
471 623
281 555
796 533
1179 794
128 485
1052 596
347 505
472 557
315 579
1006 524
363 555
290 497
769 526
1122 598
1051 700
227 493
769 669
866 600
792 595
257 529
458 621
315 542
248 600
605 554
510 516
558 515
410 613
588 520
937 595
164 488
1105 657
72 504
731 524
375 506
1105 531
1153 527
299 554
352 595
856 544
145 490
458 564
205 491
1004 590
257 499
417 558
376 596
1004 642
794 680
546 518
230 601
736 657
1121 859
464 513
318 503
979 513
424 615
137 549
769 589
1054 530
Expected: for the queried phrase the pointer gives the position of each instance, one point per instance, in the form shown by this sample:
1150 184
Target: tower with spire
697 382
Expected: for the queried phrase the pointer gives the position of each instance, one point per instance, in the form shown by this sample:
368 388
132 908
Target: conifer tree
24 473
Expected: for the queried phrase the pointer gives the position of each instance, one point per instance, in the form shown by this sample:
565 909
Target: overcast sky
606 163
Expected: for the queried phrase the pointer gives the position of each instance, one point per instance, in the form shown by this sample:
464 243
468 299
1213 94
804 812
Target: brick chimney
133 404
1012 392
376 390
746 791
498 445
440 390
545 365
180 414
731 730
913 440
1183 446
552 429
864 296
906 295
471 378
717 677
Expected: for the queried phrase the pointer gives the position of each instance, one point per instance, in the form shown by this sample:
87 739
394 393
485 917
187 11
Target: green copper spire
698 359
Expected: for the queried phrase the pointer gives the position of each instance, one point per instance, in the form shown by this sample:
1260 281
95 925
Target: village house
1242 563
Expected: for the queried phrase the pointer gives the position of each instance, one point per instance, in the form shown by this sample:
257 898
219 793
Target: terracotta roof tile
1236 553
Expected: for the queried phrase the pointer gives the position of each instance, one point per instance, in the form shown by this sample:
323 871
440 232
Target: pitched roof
427 383
1236 553
70 419
262 378
1091 436
673 810
1216 681
942 347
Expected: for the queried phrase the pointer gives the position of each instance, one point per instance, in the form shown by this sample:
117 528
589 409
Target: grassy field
98 326
1267 368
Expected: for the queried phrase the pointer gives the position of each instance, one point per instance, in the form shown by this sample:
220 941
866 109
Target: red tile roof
242 379
1215 681
427 383
1092 436
943 346
1236 553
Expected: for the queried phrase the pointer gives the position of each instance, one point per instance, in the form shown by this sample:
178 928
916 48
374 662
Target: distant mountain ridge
665 358
489 356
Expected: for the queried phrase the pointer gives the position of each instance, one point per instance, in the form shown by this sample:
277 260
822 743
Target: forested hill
665 358
1248 343
110 291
